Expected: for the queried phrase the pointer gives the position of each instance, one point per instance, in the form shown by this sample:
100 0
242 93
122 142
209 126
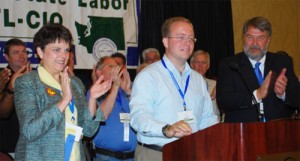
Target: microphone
235 67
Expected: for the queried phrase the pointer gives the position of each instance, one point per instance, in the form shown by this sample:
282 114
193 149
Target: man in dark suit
241 94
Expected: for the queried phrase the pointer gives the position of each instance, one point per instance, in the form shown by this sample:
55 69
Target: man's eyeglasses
184 38
107 65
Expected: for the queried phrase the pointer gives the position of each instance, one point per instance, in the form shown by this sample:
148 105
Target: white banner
99 27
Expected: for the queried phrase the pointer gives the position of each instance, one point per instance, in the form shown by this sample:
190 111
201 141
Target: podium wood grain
236 141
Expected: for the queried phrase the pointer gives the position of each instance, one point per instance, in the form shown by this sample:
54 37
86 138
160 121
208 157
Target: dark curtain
212 20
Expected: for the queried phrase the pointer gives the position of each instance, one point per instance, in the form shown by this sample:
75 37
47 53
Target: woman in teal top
51 106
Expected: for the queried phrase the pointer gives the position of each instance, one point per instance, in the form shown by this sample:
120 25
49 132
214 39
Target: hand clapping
100 87
4 78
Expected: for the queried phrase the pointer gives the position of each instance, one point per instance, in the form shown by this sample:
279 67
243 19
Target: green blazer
42 125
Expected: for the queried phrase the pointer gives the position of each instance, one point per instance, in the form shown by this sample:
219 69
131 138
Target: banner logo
99 28
103 47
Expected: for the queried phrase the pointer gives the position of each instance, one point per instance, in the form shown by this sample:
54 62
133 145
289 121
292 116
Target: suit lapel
248 71
268 64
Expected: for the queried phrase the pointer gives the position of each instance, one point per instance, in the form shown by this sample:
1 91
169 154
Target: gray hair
99 64
149 50
200 52
261 23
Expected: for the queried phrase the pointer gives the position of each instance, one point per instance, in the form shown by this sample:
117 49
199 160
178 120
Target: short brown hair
165 29
13 42
51 32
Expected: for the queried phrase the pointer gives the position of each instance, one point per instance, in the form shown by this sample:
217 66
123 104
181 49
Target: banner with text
99 27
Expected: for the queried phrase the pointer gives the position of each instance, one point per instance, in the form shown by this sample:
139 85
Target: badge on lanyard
187 116
74 130
125 119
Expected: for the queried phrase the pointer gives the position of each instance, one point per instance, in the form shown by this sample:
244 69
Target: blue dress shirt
110 135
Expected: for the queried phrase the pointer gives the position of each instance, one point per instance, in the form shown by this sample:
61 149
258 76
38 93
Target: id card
125 119
74 130
187 116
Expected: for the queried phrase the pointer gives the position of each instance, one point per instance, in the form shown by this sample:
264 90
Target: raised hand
116 74
126 82
24 69
28 68
263 90
281 82
65 89
100 87
4 78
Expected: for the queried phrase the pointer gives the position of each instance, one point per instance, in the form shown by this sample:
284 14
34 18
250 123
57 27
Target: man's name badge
124 117
187 116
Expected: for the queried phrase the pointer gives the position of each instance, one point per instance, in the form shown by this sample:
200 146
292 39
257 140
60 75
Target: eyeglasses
107 65
184 38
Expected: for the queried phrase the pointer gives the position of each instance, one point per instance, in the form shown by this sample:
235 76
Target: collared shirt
155 101
262 65
110 135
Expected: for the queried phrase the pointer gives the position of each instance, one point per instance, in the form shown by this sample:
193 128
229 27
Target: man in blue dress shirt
115 139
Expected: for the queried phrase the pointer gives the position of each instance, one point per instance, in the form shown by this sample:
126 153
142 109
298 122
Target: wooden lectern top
236 141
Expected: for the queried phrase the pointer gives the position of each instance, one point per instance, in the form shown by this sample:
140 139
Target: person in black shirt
16 55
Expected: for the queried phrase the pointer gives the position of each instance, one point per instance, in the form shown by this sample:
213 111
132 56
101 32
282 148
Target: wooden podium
236 141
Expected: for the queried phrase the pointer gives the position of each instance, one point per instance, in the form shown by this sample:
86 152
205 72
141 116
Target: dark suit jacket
235 100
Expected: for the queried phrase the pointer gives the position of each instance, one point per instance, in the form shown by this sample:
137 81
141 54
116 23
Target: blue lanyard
118 99
71 106
176 84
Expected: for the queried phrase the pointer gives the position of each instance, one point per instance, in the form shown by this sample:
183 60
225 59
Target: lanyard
118 99
177 85
71 106
120 102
